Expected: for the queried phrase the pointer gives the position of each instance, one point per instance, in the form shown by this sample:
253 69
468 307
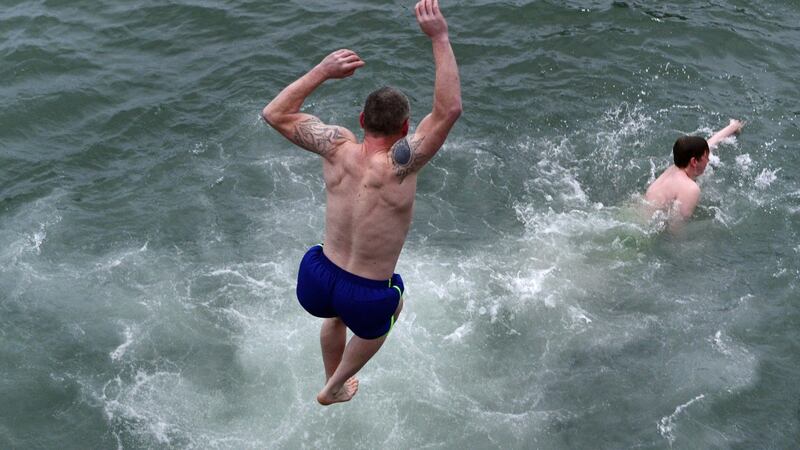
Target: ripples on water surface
150 228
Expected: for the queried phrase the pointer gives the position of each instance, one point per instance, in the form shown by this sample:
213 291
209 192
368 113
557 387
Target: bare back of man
674 192
369 210
370 188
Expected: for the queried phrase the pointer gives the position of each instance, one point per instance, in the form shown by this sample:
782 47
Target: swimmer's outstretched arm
733 127
307 131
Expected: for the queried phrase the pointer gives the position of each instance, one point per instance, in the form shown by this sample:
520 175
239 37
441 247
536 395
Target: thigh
368 312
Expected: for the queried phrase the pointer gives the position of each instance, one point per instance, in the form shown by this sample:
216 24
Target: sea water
151 226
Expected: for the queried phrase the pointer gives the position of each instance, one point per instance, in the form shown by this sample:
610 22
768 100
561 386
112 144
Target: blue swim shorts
366 306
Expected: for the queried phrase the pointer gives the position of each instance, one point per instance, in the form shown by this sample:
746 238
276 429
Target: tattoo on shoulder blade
404 157
317 137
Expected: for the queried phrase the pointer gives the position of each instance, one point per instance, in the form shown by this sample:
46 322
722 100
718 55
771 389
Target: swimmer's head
386 112
688 147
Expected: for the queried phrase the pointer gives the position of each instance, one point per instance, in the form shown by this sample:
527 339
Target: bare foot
345 393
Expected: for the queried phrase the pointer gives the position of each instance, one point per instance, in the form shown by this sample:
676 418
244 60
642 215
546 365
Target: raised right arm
733 127
409 155
307 131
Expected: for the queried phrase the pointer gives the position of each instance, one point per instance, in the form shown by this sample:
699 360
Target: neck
380 143
688 171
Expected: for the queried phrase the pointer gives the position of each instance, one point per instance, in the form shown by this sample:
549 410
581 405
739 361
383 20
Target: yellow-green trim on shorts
391 321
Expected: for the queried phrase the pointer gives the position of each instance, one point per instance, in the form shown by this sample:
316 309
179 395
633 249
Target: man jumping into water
676 191
370 187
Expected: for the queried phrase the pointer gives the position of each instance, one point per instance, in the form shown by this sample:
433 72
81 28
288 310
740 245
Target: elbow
272 115
269 115
454 111
448 111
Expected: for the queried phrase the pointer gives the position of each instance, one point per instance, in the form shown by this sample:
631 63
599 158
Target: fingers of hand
353 65
350 62
346 69
423 8
349 57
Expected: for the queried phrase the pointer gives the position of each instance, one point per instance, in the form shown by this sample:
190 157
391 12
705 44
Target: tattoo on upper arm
317 137
404 157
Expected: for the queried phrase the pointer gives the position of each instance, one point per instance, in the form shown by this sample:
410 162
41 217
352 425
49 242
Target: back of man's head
385 111
688 147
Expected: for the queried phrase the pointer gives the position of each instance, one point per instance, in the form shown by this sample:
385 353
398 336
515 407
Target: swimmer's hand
430 19
340 64
736 125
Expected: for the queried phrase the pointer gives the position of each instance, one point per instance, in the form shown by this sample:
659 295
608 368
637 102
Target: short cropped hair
385 111
688 147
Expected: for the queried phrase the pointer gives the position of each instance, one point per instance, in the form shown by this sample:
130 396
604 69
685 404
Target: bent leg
342 385
332 339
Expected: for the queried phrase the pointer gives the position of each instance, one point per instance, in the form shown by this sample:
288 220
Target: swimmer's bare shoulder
405 157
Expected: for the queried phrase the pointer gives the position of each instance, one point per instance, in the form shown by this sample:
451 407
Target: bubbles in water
744 162
766 178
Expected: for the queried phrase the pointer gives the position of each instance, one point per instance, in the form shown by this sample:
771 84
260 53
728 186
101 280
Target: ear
404 128
361 119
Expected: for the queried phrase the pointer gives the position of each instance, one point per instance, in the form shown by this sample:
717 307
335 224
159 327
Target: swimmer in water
349 280
675 191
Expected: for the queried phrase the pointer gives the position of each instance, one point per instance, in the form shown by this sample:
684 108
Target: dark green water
151 226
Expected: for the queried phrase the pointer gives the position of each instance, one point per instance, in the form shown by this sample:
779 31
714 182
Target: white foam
38 239
457 336
526 286
24 237
163 408
260 284
720 217
119 352
766 178
199 148
626 122
666 426
557 182
719 344
578 316
730 140
120 258
743 162
653 172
